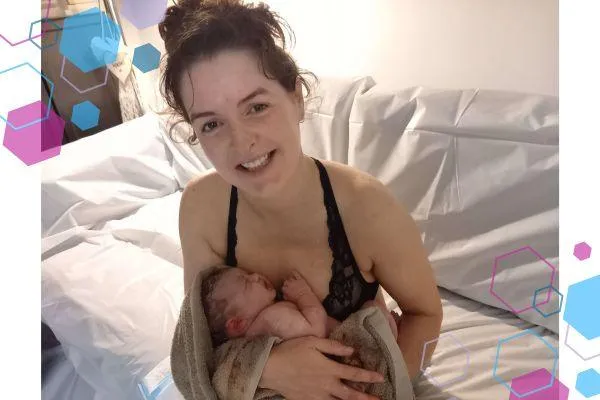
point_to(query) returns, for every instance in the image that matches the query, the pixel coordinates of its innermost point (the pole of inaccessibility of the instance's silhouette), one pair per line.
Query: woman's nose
(242, 139)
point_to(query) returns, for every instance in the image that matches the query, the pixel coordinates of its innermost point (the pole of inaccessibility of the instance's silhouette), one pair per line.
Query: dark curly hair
(214, 309)
(199, 29)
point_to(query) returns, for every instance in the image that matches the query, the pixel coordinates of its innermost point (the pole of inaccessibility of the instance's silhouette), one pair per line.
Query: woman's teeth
(257, 163)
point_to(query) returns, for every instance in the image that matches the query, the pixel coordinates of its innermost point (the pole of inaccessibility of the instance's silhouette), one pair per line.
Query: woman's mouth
(258, 163)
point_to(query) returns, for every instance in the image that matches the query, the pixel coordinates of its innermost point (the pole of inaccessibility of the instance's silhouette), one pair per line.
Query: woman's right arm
(194, 220)
(311, 376)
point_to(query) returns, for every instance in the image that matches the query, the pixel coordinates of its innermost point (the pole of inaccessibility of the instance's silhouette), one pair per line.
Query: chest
(276, 253)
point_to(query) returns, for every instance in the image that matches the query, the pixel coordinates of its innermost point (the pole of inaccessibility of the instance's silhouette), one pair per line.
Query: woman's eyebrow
(256, 92)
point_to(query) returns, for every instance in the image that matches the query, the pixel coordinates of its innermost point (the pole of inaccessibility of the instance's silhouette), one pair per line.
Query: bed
(477, 169)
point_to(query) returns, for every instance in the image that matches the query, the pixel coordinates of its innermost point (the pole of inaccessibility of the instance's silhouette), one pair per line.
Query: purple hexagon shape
(542, 260)
(144, 13)
(582, 251)
(529, 382)
(426, 370)
(37, 142)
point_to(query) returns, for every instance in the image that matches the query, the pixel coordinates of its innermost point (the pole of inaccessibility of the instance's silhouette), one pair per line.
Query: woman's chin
(264, 182)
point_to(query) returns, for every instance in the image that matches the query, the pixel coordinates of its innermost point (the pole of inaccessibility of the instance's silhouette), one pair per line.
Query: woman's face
(247, 124)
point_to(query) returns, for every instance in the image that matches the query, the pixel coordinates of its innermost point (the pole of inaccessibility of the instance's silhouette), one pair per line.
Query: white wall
(496, 44)
(489, 44)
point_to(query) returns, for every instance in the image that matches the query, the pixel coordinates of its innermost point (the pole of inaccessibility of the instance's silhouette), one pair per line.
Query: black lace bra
(348, 290)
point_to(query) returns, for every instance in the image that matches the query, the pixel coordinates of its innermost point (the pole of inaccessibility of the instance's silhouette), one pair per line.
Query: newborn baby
(237, 303)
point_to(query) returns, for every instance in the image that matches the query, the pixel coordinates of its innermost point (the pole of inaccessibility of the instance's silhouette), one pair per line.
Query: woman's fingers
(344, 392)
(332, 347)
(355, 374)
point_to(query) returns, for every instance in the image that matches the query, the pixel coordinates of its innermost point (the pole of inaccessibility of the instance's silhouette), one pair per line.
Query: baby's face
(246, 294)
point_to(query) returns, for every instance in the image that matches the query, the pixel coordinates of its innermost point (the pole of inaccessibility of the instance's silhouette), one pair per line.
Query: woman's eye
(259, 107)
(209, 126)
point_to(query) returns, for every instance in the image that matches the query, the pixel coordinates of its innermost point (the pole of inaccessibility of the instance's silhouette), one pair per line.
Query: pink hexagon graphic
(522, 256)
(36, 142)
(582, 251)
(529, 382)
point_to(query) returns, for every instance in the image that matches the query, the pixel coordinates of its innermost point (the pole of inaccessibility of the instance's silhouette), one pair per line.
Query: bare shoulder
(361, 195)
(201, 193)
(201, 214)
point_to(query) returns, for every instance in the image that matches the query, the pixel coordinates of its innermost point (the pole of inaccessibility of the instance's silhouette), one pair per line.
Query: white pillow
(155, 227)
(106, 176)
(324, 131)
(114, 307)
(478, 171)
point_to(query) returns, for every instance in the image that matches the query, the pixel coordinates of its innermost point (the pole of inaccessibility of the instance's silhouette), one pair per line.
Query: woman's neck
(292, 199)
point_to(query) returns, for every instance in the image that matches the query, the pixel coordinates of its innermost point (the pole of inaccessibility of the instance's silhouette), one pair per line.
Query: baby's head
(232, 299)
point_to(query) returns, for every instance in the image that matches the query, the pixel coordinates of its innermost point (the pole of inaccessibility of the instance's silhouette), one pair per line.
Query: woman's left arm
(401, 266)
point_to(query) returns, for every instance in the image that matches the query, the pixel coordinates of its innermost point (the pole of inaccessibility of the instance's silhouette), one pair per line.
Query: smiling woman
(229, 76)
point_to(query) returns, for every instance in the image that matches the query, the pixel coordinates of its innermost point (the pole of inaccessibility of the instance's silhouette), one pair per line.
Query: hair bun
(173, 18)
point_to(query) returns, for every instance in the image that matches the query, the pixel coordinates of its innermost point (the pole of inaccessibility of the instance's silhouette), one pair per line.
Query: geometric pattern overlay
(581, 305)
(584, 348)
(552, 312)
(81, 91)
(46, 14)
(90, 40)
(429, 371)
(582, 251)
(35, 117)
(536, 379)
(525, 386)
(527, 255)
(44, 21)
(144, 13)
(588, 383)
(37, 142)
(146, 58)
(85, 115)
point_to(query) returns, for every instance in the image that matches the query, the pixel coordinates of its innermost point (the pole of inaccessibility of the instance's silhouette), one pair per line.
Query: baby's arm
(296, 290)
(282, 319)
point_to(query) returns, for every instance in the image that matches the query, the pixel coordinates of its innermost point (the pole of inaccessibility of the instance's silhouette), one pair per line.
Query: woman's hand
(299, 370)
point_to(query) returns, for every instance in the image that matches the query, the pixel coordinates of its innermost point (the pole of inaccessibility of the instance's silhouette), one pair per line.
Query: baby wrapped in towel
(240, 304)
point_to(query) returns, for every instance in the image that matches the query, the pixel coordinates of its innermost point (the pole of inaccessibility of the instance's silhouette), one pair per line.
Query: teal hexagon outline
(48, 107)
(41, 35)
(560, 296)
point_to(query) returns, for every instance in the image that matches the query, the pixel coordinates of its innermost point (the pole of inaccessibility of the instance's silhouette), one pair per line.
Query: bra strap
(231, 260)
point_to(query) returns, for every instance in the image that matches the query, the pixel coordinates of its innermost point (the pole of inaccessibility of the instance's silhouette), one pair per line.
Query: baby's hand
(295, 287)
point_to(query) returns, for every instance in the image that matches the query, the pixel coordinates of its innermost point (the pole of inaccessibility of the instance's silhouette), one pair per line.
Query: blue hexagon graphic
(55, 36)
(560, 301)
(588, 383)
(146, 57)
(48, 107)
(144, 13)
(581, 305)
(506, 384)
(85, 115)
(90, 40)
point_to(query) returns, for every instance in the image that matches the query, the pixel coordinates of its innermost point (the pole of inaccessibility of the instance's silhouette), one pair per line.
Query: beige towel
(233, 370)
